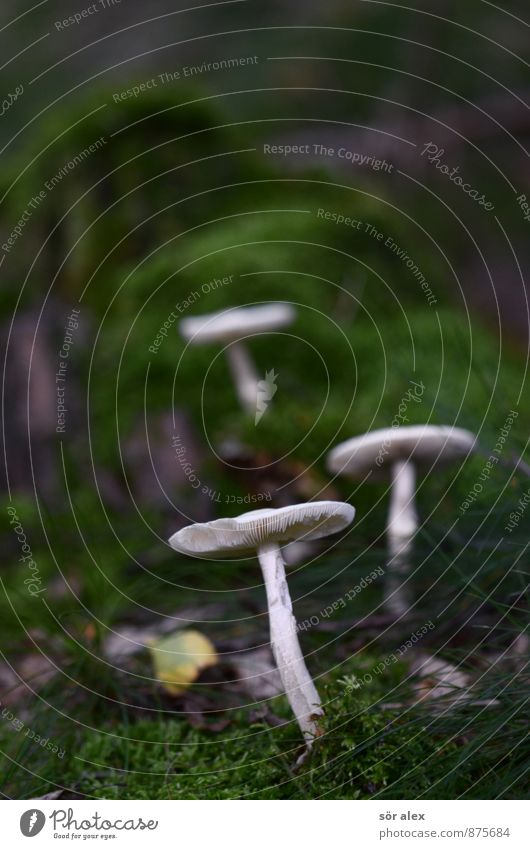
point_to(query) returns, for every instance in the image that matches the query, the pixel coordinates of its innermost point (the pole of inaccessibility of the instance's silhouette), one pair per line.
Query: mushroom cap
(421, 444)
(232, 324)
(250, 531)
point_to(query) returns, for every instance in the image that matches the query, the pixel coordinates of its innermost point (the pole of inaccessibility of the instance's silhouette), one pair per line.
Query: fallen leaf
(55, 794)
(257, 674)
(440, 680)
(179, 658)
(128, 640)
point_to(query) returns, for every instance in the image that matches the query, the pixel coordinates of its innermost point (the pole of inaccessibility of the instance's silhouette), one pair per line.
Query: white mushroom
(262, 531)
(230, 327)
(399, 451)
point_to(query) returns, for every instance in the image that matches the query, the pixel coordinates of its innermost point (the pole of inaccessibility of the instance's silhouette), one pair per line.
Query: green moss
(362, 333)
(364, 750)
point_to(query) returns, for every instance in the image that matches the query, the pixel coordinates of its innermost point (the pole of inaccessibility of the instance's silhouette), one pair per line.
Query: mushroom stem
(244, 375)
(296, 680)
(401, 527)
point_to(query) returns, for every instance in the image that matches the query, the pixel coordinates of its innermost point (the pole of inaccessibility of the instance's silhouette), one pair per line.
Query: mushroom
(230, 327)
(398, 452)
(261, 531)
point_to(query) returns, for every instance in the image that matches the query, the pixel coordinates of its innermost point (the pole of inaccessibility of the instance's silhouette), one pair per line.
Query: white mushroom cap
(250, 531)
(421, 444)
(232, 324)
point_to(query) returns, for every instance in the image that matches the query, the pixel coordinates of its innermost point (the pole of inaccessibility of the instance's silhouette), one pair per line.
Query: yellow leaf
(179, 658)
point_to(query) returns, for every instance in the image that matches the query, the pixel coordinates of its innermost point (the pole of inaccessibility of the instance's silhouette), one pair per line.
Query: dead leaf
(55, 794)
(257, 674)
(128, 640)
(440, 680)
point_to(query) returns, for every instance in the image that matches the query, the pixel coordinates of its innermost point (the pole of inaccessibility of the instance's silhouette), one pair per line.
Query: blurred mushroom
(261, 531)
(397, 452)
(230, 327)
